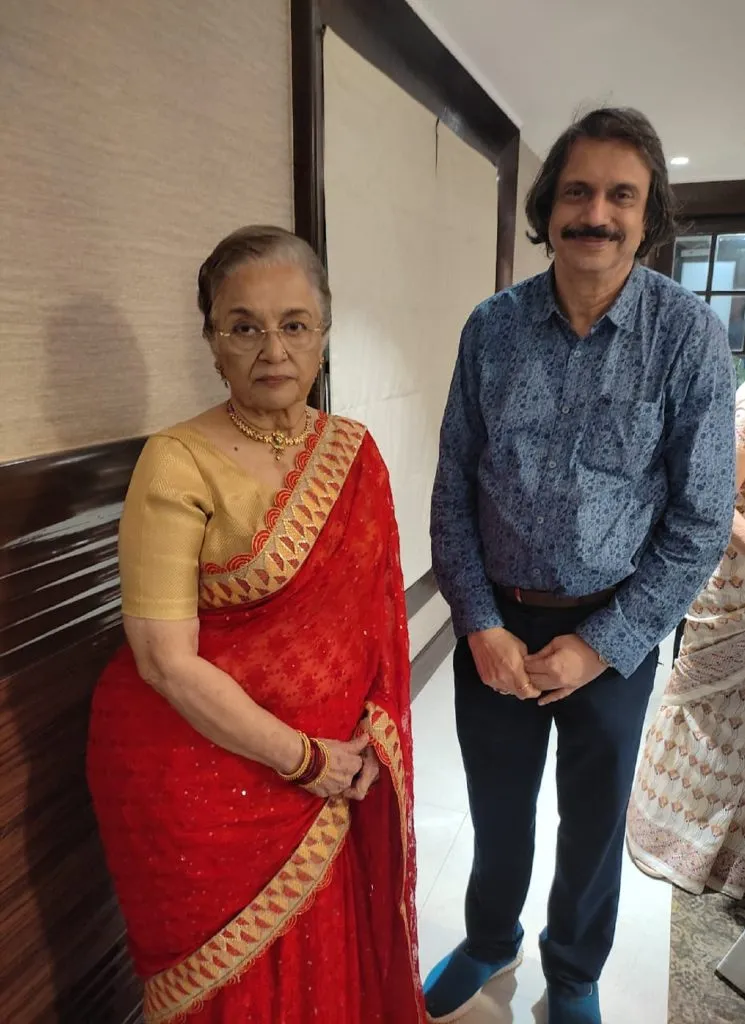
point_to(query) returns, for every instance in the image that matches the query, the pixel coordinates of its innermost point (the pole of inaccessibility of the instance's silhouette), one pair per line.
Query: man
(583, 496)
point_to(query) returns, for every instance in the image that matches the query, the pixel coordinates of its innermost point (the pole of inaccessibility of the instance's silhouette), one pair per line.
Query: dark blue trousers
(504, 742)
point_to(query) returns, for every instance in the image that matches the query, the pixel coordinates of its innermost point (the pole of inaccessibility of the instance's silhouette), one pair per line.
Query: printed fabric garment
(572, 465)
(686, 818)
(246, 898)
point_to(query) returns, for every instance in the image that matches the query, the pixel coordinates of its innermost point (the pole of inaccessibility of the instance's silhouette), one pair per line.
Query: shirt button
(540, 520)
(552, 464)
(536, 572)
(566, 410)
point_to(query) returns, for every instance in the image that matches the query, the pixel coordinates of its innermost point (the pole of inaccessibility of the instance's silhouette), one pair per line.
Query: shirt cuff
(609, 635)
(475, 616)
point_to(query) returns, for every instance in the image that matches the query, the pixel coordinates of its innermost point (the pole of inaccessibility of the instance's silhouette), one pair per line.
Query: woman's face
(268, 335)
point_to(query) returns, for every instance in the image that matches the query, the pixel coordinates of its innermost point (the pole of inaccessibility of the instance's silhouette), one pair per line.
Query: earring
(221, 374)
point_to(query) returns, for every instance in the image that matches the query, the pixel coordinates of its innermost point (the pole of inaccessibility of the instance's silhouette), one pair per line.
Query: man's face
(598, 218)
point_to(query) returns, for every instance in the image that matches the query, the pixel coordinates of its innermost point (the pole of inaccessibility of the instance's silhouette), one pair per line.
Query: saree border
(172, 994)
(384, 733)
(720, 867)
(292, 525)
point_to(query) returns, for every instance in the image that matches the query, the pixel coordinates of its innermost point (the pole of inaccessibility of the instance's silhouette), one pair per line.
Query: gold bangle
(326, 763)
(304, 764)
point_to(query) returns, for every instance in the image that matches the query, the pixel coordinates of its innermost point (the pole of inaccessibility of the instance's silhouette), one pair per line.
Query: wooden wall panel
(61, 949)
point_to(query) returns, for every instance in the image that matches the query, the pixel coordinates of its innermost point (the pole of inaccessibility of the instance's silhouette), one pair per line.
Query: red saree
(247, 899)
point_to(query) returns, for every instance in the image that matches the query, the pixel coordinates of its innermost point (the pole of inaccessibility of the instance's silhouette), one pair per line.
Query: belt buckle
(518, 595)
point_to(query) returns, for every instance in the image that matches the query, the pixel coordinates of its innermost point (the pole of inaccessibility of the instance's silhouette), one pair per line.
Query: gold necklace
(277, 440)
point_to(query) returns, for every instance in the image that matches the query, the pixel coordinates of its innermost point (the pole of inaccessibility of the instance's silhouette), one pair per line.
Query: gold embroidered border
(293, 524)
(169, 996)
(384, 733)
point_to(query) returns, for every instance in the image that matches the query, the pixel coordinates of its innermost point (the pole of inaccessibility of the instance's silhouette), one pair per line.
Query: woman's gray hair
(260, 243)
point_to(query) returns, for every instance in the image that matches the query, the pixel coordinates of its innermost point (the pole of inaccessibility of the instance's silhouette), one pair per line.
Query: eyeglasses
(293, 335)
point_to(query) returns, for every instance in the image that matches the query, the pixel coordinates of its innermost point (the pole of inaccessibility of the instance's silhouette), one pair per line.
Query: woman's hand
(367, 778)
(345, 761)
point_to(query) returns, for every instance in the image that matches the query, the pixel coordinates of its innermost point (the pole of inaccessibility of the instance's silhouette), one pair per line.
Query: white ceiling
(682, 62)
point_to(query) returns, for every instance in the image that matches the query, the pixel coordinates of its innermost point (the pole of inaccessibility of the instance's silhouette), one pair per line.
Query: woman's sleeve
(161, 533)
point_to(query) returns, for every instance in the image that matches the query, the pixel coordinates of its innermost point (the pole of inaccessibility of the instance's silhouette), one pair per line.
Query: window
(713, 266)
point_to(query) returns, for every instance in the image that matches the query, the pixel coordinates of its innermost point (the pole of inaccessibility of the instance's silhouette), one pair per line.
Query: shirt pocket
(622, 436)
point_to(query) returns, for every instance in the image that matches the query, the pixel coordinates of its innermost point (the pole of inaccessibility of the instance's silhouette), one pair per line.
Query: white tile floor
(635, 982)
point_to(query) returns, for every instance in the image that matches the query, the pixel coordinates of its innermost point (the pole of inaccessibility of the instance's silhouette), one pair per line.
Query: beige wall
(411, 230)
(529, 259)
(134, 135)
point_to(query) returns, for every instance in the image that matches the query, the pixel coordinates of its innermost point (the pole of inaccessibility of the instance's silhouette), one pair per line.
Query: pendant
(279, 443)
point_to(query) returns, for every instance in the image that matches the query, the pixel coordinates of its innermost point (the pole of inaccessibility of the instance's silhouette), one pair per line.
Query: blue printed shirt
(573, 465)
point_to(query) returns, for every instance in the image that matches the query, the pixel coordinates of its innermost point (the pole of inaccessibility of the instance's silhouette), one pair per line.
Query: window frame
(663, 260)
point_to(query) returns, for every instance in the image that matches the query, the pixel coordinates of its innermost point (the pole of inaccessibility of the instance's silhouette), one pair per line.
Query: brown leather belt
(545, 599)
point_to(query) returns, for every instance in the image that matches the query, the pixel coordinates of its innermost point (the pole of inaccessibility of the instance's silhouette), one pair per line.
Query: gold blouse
(197, 532)
(188, 504)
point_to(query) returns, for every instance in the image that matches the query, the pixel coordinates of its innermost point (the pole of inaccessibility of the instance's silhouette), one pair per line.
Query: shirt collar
(623, 311)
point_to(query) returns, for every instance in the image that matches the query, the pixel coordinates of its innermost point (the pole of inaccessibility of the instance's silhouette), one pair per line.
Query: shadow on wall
(95, 376)
(58, 627)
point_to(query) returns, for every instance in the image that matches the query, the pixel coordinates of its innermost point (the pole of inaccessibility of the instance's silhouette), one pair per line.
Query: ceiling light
(679, 161)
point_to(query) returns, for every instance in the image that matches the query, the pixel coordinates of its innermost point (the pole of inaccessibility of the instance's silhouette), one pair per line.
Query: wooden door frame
(396, 41)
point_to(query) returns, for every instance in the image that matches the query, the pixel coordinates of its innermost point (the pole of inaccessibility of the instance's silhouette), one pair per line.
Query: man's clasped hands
(566, 664)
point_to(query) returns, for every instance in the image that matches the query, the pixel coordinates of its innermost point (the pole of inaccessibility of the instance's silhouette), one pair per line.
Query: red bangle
(318, 766)
(311, 770)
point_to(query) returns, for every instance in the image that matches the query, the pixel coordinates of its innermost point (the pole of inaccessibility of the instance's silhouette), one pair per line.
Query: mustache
(588, 231)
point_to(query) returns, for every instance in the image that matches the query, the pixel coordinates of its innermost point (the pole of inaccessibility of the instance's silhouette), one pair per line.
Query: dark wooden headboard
(62, 953)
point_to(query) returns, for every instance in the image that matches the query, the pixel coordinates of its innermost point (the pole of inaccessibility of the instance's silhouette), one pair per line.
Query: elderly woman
(236, 740)
(686, 820)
